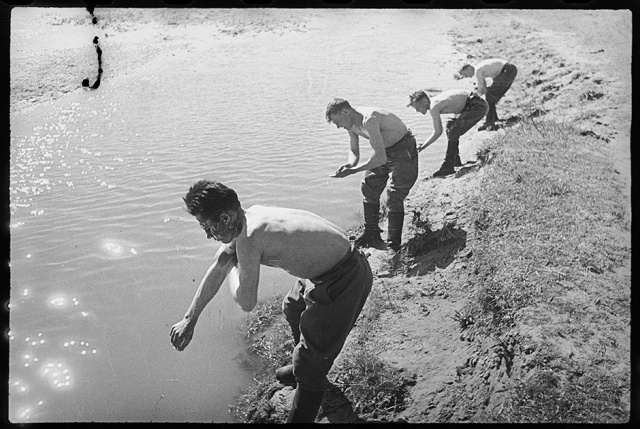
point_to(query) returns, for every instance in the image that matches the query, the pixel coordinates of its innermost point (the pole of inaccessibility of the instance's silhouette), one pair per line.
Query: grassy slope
(514, 301)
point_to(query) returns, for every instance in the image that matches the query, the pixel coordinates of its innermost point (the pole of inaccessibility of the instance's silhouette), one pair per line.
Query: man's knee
(395, 199)
(370, 194)
(310, 371)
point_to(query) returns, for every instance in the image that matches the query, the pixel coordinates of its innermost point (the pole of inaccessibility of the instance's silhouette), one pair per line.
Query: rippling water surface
(104, 257)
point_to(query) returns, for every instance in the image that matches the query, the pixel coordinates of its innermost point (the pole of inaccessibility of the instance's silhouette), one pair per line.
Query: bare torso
(392, 127)
(300, 242)
(447, 102)
(490, 68)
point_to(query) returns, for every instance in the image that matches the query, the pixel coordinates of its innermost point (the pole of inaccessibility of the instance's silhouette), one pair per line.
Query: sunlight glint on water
(104, 257)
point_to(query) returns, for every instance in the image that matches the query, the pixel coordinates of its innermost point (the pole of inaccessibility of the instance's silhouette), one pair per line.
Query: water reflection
(105, 259)
(117, 248)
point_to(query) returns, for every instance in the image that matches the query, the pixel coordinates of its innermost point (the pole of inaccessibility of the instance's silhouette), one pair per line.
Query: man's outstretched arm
(437, 128)
(225, 260)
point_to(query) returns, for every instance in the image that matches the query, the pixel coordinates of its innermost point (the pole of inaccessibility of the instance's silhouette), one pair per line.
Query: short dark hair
(209, 198)
(417, 95)
(337, 105)
(466, 66)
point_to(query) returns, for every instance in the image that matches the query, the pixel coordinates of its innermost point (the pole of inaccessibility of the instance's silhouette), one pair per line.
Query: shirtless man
(321, 312)
(394, 160)
(469, 108)
(502, 73)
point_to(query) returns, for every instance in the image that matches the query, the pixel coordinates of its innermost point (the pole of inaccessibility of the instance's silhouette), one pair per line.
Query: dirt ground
(558, 59)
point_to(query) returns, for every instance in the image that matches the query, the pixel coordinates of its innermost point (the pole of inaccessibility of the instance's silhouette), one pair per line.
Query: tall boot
(394, 231)
(492, 116)
(371, 235)
(447, 166)
(305, 406)
(457, 162)
(394, 238)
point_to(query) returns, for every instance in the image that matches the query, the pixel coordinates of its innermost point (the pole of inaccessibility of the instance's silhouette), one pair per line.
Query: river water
(104, 257)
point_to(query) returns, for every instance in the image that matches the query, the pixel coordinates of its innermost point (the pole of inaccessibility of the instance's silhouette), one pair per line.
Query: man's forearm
(205, 293)
(209, 286)
(373, 162)
(431, 140)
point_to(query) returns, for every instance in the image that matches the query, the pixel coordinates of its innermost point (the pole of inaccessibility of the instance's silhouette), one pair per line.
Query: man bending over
(502, 73)
(393, 164)
(468, 108)
(334, 281)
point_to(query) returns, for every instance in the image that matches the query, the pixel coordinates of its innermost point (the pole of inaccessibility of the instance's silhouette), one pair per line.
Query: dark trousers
(498, 88)
(400, 171)
(475, 109)
(324, 310)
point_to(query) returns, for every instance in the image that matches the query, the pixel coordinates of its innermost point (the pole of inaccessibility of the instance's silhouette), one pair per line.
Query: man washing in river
(393, 164)
(321, 308)
(502, 74)
(467, 106)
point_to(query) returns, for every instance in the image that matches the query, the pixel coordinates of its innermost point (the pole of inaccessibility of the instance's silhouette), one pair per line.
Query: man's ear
(225, 217)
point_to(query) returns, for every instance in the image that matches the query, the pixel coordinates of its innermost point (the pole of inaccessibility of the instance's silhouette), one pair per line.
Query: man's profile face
(340, 119)
(220, 231)
(421, 105)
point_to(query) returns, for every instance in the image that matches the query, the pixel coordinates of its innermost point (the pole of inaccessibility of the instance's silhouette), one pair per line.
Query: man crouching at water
(321, 313)
(394, 160)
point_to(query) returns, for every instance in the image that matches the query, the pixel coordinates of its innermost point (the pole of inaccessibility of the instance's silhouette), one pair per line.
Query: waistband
(471, 97)
(400, 143)
(323, 277)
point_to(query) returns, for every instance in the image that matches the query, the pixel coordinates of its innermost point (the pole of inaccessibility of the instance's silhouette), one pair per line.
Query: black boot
(394, 238)
(445, 169)
(305, 406)
(371, 235)
(394, 232)
(447, 166)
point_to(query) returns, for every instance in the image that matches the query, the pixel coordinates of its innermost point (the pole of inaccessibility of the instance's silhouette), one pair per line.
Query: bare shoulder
(489, 64)
(369, 113)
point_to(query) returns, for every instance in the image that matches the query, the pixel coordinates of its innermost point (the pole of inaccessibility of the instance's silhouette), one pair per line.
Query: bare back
(300, 242)
(447, 102)
(391, 126)
(490, 68)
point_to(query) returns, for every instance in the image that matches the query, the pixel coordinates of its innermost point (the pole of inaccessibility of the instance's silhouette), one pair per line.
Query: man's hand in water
(344, 171)
(181, 334)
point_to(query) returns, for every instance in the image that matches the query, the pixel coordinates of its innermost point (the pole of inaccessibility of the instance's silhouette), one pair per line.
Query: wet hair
(209, 198)
(337, 105)
(417, 95)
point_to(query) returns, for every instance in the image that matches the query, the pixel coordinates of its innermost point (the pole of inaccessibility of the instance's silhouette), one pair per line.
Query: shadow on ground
(435, 249)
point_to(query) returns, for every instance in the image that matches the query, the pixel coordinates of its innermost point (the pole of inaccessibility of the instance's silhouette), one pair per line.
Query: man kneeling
(321, 312)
